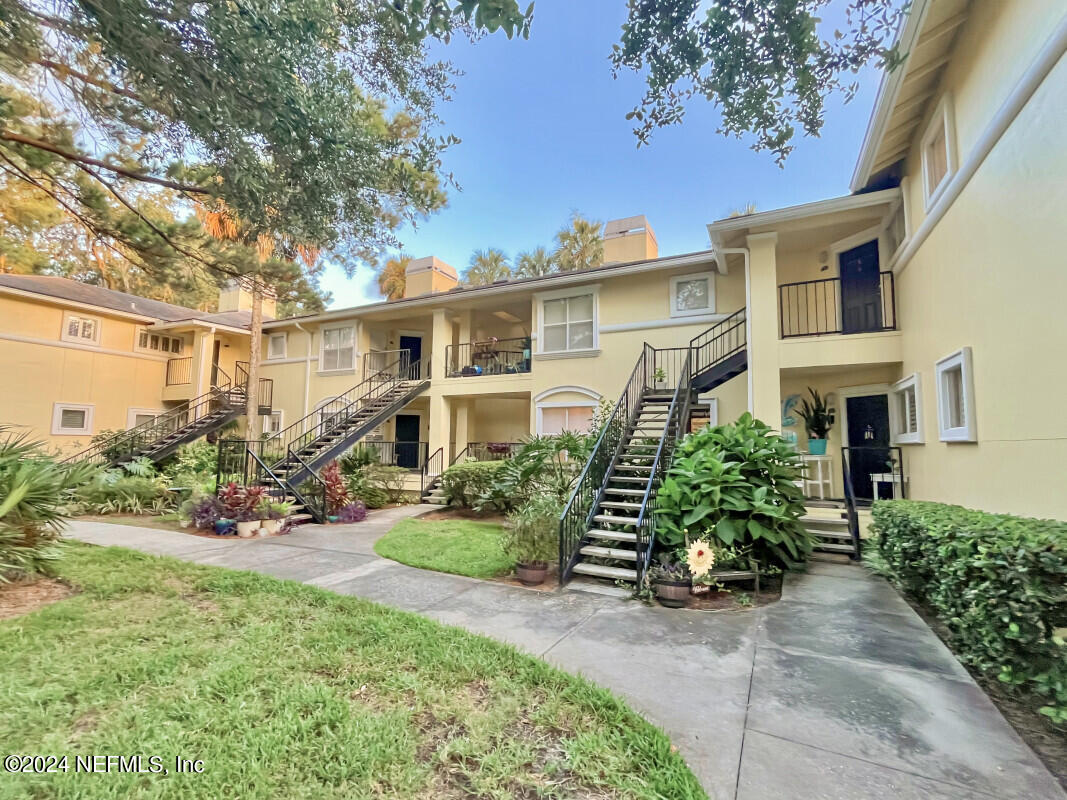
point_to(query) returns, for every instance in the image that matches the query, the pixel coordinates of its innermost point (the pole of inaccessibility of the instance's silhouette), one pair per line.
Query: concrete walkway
(838, 692)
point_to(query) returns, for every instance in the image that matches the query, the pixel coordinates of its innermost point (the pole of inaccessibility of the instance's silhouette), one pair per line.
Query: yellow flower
(700, 558)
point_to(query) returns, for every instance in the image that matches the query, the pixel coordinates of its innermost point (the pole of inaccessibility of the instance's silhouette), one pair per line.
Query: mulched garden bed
(770, 591)
(446, 512)
(22, 597)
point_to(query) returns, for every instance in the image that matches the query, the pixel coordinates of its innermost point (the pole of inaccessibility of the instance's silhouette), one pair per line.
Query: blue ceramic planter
(224, 526)
(817, 447)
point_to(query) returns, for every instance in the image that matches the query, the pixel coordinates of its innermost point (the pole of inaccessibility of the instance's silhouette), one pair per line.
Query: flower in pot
(818, 419)
(670, 580)
(532, 538)
(700, 558)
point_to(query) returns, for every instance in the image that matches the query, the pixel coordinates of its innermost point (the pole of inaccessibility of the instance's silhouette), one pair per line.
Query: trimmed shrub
(735, 485)
(389, 480)
(532, 534)
(362, 489)
(997, 582)
(465, 483)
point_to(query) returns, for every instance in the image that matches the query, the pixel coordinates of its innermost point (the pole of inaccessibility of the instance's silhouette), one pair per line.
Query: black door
(407, 440)
(861, 292)
(868, 443)
(215, 363)
(413, 344)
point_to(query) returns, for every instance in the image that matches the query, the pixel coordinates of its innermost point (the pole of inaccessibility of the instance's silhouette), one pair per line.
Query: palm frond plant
(34, 492)
(535, 264)
(581, 246)
(486, 267)
(818, 420)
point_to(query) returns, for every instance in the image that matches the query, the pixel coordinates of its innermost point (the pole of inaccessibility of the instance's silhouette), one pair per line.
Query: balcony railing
(411, 455)
(179, 371)
(490, 357)
(484, 451)
(815, 308)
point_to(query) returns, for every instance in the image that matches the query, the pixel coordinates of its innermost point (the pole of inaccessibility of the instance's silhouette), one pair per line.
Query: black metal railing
(490, 357)
(577, 514)
(486, 451)
(179, 371)
(871, 468)
(851, 513)
(722, 340)
(677, 414)
(266, 387)
(815, 308)
(431, 470)
(240, 464)
(383, 364)
(411, 455)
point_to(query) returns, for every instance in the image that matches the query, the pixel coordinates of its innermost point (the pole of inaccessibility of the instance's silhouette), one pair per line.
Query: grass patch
(288, 691)
(461, 547)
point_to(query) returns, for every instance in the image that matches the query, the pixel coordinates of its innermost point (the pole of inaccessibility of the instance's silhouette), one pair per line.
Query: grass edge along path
(289, 691)
(456, 546)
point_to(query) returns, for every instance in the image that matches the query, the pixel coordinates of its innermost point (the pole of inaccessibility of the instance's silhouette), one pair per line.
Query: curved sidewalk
(838, 692)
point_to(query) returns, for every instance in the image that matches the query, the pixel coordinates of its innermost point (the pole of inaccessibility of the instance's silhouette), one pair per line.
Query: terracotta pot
(246, 530)
(532, 574)
(672, 594)
(271, 526)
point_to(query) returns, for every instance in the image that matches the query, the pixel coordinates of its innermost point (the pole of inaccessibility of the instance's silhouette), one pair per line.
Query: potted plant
(659, 376)
(275, 516)
(818, 419)
(531, 538)
(248, 523)
(670, 580)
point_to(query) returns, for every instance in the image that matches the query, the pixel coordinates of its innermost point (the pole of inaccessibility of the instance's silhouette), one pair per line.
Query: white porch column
(766, 383)
(440, 433)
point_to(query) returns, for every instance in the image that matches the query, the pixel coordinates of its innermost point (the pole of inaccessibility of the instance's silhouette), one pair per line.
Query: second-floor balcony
(490, 356)
(834, 306)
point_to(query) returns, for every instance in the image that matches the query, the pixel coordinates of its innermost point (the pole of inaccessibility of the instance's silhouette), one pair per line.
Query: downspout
(200, 367)
(307, 370)
(743, 251)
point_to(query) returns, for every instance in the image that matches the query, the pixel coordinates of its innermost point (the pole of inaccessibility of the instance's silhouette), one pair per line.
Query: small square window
(692, 295)
(905, 411)
(69, 419)
(272, 423)
(276, 346)
(955, 398)
(938, 151)
(142, 340)
(81, 329)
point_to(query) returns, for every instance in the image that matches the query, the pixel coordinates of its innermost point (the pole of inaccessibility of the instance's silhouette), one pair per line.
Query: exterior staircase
(607, 528)
(831, 525)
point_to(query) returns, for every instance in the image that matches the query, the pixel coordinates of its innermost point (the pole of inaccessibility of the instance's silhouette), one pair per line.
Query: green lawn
(288, 691)
(461, 547)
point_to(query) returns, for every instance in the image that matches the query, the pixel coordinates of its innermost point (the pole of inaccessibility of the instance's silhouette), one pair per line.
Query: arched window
(565, 408)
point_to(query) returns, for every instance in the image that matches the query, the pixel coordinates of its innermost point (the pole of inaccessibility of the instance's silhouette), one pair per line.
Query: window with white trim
(905, 410)
(159, 343)
(273, 422)
(692, 295)
(140, 416)
(338, 349)
(276, 345)
(955, 397)
(556, 419)
(568, 323)
(72, 419)
(81, 329)
(938, 151)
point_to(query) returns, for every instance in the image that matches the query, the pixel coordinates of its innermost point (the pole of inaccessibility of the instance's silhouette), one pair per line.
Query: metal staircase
(198, 417)
(288, 462)
(607, 529)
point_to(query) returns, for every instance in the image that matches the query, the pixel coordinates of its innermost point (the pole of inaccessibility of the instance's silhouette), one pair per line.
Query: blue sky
(543, 131)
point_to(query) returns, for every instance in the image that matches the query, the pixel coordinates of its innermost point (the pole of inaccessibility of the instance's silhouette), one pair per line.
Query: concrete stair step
(628, 479)
(612, 573)
(627, 492)
(620, 536)
(608, 519)
(827, 547)
(620, 504)
(827, 522)
(833, 535)
(595, 551)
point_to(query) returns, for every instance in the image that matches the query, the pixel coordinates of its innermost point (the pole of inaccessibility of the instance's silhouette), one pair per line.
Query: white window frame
(322, 349)
(944, 119)
(540, 403)
(284, 337)
(158, 350)
(97, 325)
(57, 418)
(967, 432)
(695, 312)
(266, 418)
(561, 294)
(133, 413)
(897, 421)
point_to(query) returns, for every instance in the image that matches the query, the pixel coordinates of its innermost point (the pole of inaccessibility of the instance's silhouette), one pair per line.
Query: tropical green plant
(535, 264)
(818, 419)
(996, 581)
(388, 479)
(544, 465)
(486, 267)
(34, 492)
(361, 489)
(532, 533)
(737, 485)
(359, 457)
(133, 488)
(465, 483)
(579, 246)
(337, 494)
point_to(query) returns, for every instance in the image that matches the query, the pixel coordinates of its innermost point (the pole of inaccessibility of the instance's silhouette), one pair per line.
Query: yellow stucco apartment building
(928, 304)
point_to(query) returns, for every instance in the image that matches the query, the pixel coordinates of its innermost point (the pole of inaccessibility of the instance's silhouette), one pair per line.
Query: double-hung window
(905, 410)
(276, 346)
(955, 398)
(81, 329)
(569, 323)
(70, 419)
(938, 151)
(338, 349)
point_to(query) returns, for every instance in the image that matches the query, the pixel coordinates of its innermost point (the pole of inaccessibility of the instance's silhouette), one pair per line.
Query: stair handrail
(576, 517)
(645, 526)
(123, 445)
(737, 321)
(851, 514)
(326, 418)
(319, 513)
(435, 460)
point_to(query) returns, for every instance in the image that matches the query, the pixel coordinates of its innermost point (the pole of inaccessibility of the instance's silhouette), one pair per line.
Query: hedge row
(465, 482)
(997, 582)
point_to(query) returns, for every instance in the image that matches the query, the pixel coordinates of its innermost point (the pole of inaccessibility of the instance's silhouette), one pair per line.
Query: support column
(440, 433)
(440, 339)
(765, 399)
(463, 411)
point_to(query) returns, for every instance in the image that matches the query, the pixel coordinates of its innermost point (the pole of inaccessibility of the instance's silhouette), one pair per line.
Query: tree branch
(18, 138)
(63, 69)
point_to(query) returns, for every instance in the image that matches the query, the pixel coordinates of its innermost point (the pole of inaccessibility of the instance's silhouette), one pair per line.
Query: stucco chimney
(235, 297)
(429, 275)
(629, 239)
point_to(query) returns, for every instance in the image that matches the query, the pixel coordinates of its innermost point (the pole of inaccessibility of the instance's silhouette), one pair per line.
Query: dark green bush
(997, 582)
(466, 482)
(735, 485)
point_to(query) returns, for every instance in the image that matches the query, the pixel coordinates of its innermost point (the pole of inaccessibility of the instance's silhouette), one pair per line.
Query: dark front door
(868, 442)
(413, 344)
(407, 440)
(861, 292)
(215, 363)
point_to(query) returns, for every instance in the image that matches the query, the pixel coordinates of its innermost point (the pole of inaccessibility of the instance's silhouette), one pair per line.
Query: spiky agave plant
(34, 490)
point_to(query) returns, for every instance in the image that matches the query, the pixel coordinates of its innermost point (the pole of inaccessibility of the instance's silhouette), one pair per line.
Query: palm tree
(487, 266)
(393, 278)
(581, 246)
(535, 264)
